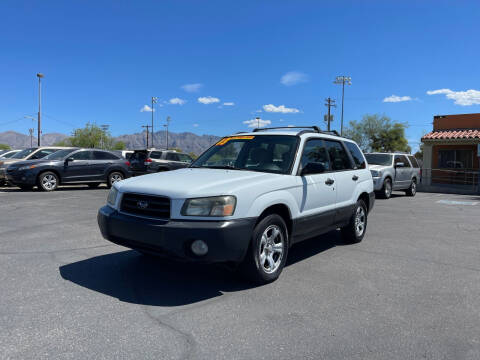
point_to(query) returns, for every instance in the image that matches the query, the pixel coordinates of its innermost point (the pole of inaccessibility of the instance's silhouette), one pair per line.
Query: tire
(114, 177)
(48, 181)
(355, 231)
(386, 192)
(268, 250)
(93, 186)
(412, 190)
(26, 187)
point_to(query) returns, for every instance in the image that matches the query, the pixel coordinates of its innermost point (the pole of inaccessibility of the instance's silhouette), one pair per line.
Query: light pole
(343, 80)
(166, 126)
(40, 76)
(258, 122)
(154, 101)
(104, 134)
(31, 136)
(146, 127)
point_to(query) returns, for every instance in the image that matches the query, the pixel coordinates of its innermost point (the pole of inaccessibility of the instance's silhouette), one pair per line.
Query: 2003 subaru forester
(246, 200)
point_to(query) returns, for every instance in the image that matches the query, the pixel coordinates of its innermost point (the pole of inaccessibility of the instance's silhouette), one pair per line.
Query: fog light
(199, 247)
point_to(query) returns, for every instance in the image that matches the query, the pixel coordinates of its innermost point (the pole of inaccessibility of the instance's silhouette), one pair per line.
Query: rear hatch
(138, 160)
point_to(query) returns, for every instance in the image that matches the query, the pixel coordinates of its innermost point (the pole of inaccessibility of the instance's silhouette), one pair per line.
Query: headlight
(210, 206)
(376, 173)
(26, 167)
(112, 196)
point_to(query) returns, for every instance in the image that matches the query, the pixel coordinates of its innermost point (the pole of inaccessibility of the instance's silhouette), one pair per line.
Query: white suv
(246, 200)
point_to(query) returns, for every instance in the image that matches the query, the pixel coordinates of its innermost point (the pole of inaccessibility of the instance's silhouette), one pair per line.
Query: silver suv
(393, 171)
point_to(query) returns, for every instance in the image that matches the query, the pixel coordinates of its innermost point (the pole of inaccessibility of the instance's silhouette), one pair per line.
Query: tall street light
(40, 76)
(154, 101)
(343, 80)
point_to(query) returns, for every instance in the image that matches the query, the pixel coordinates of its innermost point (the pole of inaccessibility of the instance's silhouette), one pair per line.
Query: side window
(103, 155)
(413, 161)
(338, 156)
(156, 155)
(357, 155)
(403, 159)
(172, 157)
(42, 153)
(81, 155)
(184, 158)
(315, 156)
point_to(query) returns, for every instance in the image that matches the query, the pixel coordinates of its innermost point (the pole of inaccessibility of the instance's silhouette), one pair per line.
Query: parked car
(394, 171)
(33, 153)
(69, 166)
(8, 154)
(246, 200)
(151, 161)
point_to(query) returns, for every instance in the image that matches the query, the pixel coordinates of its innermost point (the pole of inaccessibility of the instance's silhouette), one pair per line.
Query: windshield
(8, 155)
(379, 159)
(23, 154)
(58, 155)
(266, 153)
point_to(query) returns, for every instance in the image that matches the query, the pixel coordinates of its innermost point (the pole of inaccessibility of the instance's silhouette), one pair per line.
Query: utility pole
(154, 101)
(329, 104)
(40, 76)
(31, 136)
(166, 126)
(104, 135)
(258, 122)
(147, 127)
(343, 80)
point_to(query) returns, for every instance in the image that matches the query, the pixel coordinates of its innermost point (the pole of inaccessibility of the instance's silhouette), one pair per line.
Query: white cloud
(208, 100)
(280, 109)
(463, 98)
(255, 123)
(177, 101)
(293, 78)
(195, 125)
(192, 87)
(396, 98)
(228, 103)
(146, 108)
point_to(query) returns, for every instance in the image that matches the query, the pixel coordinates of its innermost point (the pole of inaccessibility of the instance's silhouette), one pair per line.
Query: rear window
(139, 155)
(414, 161)
(156, 155)
(357, 155)
(338, 156)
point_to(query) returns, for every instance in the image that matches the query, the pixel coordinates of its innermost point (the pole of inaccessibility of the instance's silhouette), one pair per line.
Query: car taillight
(127, 163)
(147, 161)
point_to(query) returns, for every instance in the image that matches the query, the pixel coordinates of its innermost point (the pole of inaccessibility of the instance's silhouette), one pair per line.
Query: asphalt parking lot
(410, 290)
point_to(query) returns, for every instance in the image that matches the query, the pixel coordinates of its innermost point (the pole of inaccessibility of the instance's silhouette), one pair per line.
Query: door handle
(354, 177)
(329, 181)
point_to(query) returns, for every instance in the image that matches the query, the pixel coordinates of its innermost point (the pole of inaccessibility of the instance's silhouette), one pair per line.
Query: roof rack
(313, 129)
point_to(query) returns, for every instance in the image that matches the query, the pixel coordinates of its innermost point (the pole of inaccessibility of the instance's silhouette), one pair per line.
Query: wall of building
(461, 121)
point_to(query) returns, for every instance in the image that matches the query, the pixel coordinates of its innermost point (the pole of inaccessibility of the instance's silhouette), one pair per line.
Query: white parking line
(453, 202)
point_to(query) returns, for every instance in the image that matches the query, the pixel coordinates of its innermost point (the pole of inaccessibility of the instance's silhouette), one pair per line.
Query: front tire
(48, 181)
(114, 177)
(268, 250)
(386, 191)
(412, 190)
(355, 231)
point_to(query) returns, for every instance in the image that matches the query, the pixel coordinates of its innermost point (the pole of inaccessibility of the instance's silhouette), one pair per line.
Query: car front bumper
(377, 183)
(21, 177)
(227, 241)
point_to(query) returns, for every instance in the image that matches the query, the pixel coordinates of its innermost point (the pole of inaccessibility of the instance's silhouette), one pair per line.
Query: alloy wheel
(49, 182)
(271, 249)
(360, 221)
(116, 178)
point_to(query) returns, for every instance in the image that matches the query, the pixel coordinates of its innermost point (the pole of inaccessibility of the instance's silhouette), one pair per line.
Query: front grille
(157, 207)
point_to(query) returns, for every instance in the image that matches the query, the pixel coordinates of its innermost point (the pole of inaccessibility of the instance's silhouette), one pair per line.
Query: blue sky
(103, 60)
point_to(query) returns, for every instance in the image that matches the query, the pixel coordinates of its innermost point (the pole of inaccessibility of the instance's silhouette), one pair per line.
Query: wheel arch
(49, 170)
(280, 209)
(366, 199)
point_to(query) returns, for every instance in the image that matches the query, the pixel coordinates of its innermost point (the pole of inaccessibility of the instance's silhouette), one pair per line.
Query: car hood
(195, 182)
(6, 162)
(378, 167)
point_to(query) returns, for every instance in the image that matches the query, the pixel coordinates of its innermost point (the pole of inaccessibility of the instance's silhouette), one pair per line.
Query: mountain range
(186, 141)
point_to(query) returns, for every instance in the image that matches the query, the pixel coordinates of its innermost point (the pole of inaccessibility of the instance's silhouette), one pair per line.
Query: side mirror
(312, 168)
(400, 164)
(70, 159)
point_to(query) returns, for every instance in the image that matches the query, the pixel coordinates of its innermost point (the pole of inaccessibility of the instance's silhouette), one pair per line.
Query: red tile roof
(453, 134)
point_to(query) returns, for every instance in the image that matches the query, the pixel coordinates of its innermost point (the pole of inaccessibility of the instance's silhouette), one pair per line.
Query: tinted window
(156, 154)
(184, 158)
(42, 153)
(357, 155)
(9, 155)
(413, 161)
(455, 159)
(103, 155)
(315, 154)
(338, 156)
(379, 159)
(81, 155)
(60, 154)
(172, 157)
(23, 154)
(402, 158)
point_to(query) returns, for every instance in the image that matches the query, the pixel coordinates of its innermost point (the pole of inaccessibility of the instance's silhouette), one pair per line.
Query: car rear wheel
(355, 230)
(412, 190)
(114, 177)
(48, 181)
(387, 188)
(267, 253)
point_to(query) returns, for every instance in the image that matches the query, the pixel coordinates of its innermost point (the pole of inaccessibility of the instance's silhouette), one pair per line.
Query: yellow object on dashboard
(227, 139)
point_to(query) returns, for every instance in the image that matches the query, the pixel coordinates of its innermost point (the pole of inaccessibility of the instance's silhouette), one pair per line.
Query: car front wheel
(268, 250)
(48, 181)
(355, 230)
(387, 188)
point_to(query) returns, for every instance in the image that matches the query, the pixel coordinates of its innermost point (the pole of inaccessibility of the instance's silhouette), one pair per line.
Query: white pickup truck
(246, 200)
